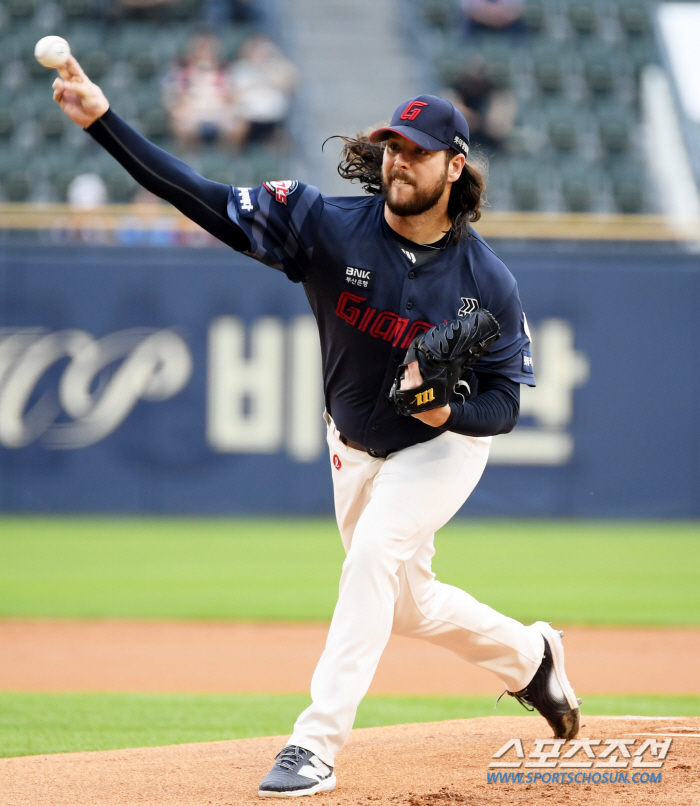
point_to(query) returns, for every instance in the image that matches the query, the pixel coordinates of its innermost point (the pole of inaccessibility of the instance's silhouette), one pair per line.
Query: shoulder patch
(527, 362)
(280, 190)
(244, 200)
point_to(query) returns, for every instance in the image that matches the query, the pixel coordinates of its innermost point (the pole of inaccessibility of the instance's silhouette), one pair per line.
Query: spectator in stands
(490, 111)
(493, 15)
(263, 81)
(199, 98)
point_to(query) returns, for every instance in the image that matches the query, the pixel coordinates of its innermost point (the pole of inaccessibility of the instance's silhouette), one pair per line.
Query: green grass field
(607, 573)
(583, 572)
(32, 724)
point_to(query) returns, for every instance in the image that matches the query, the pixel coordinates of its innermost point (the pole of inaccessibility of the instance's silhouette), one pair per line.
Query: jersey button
(409, 305)
(411, 275)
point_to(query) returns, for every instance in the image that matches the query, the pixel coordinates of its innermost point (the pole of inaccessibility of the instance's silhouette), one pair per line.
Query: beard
(422, 201)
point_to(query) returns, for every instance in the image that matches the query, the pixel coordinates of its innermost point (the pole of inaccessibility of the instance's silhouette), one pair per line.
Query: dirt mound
(416, 765)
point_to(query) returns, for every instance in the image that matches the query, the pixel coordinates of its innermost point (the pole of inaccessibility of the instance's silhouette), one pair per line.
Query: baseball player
(424, 346)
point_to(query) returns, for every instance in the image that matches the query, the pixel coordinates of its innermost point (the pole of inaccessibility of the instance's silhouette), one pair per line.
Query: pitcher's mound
(417, 765)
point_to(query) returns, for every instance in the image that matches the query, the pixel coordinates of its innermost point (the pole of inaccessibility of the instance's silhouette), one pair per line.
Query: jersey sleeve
(281, 221)
(511, 354)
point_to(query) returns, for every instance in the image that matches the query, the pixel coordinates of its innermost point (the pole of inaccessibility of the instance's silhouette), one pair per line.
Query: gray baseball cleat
(549, 691)
(296, 772)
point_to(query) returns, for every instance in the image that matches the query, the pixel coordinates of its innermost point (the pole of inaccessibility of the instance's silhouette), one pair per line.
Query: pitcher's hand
(83, 101)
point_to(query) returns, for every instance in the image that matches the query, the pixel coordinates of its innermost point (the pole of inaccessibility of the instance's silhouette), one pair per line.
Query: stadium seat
(95, 64)
(16, 185)
(613, 129)
(535, 16)
(562, 129)
(634, 17)
(599, 73)
(439, 13)
(19, 9)
(79, 9)
(548, 70)
(52, 123)
(154, 124)
(120, 185)
(628, 185)
(577, 187)
(583, 18)
(524, 186)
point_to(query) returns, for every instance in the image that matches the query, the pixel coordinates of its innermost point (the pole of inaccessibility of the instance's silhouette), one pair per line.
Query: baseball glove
(443, 354)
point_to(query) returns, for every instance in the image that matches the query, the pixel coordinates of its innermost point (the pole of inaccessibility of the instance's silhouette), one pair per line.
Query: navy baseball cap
(430, 122)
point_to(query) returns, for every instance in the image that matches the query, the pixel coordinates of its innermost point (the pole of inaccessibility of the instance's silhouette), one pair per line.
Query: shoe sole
(327, 785)
(572, 719)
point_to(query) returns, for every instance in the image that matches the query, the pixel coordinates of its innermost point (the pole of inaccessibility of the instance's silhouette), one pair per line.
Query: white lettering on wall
(559, 370)
(143, 365)
(245, 394)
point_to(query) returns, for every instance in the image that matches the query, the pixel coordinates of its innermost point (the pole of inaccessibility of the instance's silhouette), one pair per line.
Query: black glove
(443, 354)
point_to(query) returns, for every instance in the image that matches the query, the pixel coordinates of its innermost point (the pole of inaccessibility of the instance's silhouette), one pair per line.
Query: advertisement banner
(151, 380)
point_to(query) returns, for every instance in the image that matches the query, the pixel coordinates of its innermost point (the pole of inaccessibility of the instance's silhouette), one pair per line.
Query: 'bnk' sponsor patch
(360, 278)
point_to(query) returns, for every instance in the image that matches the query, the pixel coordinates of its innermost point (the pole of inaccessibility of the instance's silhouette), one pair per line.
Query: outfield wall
(161, 380)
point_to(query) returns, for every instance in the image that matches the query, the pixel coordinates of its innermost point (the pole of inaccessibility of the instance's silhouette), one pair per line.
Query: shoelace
(522, 699)
(290, 757)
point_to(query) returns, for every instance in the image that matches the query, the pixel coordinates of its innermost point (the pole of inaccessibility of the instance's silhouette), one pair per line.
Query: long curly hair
(361, 161)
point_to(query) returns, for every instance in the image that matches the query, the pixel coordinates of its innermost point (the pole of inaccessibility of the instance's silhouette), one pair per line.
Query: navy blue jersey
(370, 300)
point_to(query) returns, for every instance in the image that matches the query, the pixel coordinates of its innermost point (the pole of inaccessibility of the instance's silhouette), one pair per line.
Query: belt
(377, 454)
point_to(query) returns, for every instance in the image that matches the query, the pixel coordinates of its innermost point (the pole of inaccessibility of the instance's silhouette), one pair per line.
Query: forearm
(494, 410)
(198, 198)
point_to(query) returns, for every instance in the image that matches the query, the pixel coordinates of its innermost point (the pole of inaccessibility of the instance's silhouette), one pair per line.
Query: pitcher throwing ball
(424, 346)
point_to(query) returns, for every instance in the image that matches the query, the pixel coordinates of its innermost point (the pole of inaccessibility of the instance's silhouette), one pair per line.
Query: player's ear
(455, 167)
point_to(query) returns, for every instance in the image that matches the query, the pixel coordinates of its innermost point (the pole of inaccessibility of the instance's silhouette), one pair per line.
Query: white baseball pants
(388, 511)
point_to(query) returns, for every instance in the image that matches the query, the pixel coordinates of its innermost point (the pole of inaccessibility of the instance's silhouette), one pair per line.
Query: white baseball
(52, 51)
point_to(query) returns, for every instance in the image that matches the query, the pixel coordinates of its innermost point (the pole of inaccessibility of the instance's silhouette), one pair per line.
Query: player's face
(413, 180)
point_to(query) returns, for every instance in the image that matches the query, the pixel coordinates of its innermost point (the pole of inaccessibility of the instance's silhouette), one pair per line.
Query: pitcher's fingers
(80, 89)
(74, 68)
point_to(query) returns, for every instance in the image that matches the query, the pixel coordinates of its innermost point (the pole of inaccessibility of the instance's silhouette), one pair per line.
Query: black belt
(376, 454)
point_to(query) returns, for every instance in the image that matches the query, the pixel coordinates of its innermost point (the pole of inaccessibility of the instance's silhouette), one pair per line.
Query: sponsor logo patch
(280, 190)
(337, 464)
(527, 362)
(469, 305)
(244, 201)
(360, 278)
(460, 143)
(409, 255)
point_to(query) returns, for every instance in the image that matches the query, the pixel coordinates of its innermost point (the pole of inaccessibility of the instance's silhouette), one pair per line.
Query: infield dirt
(195, 657)
(432, 764)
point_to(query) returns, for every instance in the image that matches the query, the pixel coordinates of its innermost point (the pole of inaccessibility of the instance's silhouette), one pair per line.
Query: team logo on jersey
(409, 255)
(337, 464)
(280, 190)
(412, 111)
(244, 201)
(469, 305)
(361, 278)
(527, 362)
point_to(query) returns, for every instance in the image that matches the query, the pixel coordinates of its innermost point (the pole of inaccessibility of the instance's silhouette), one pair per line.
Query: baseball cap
(430, 122)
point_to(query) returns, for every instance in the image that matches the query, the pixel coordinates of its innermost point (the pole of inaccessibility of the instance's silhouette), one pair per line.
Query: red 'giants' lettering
(387, 325)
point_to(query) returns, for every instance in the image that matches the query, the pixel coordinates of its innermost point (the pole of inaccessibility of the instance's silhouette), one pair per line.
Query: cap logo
(412, 111)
